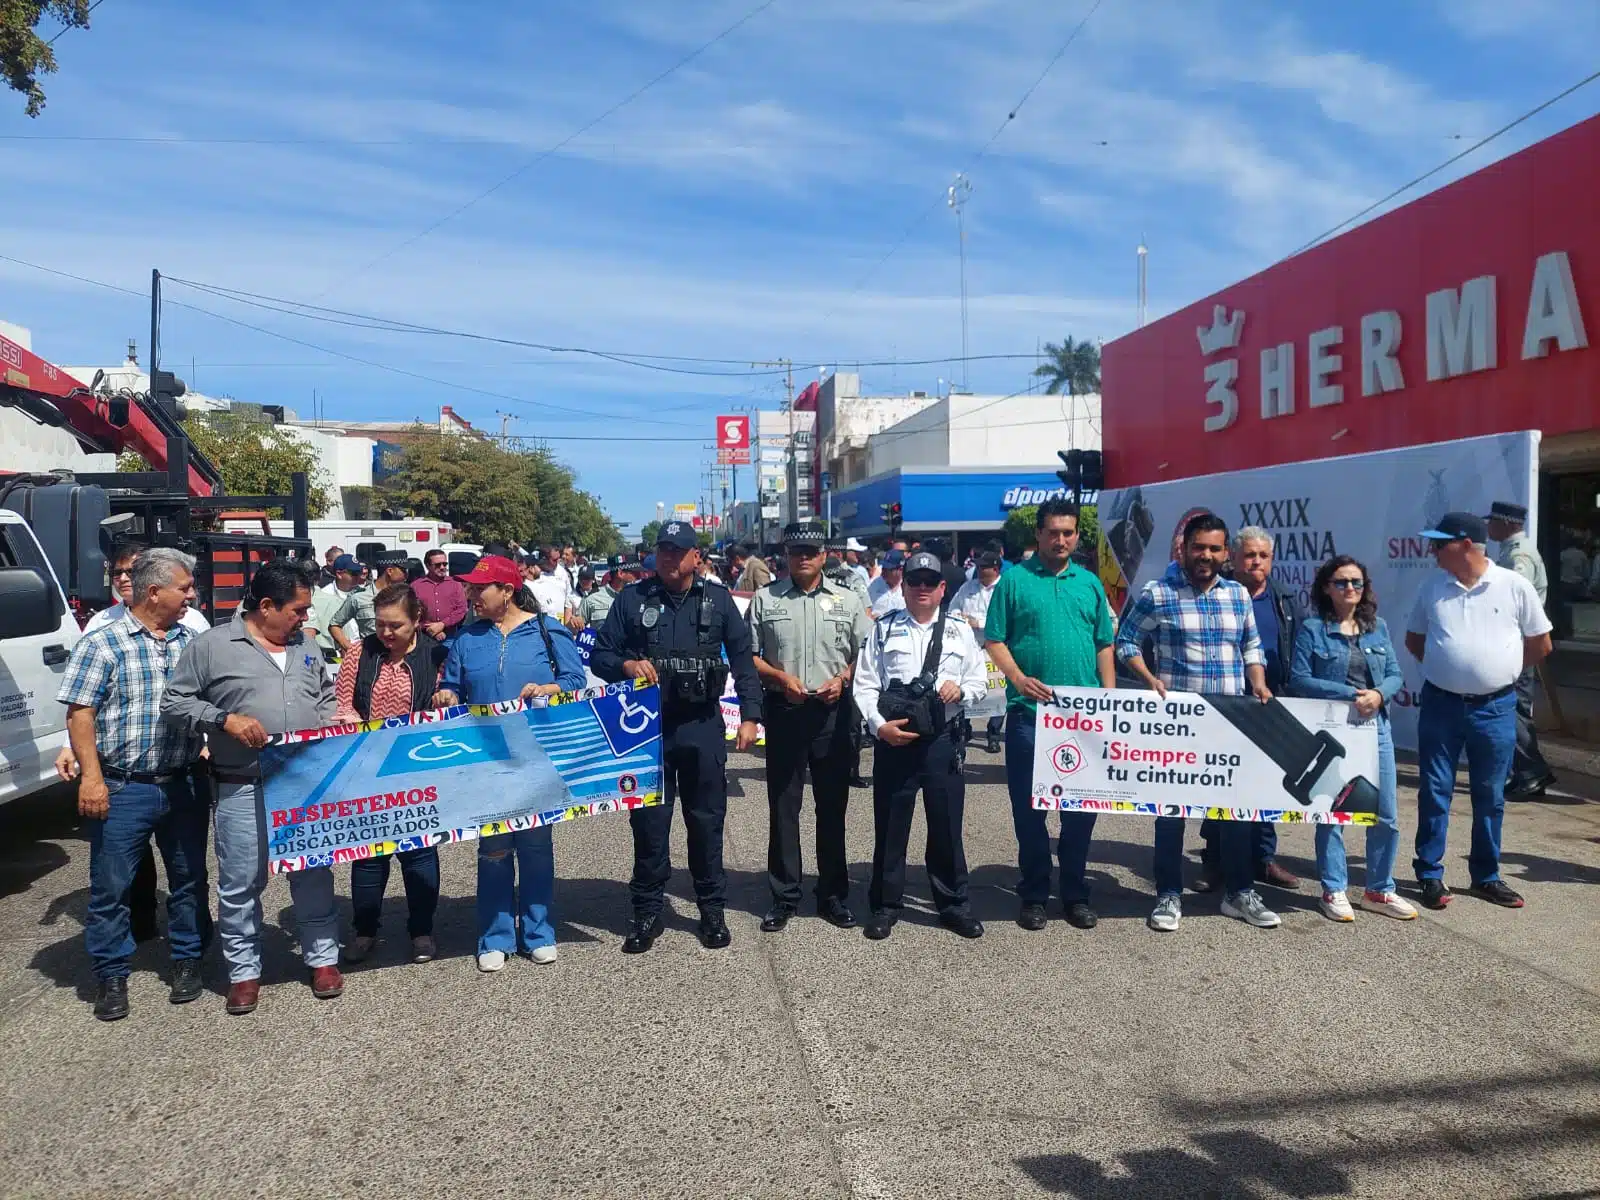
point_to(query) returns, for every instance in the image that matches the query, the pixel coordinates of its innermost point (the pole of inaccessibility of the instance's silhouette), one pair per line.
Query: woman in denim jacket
(1344, 653)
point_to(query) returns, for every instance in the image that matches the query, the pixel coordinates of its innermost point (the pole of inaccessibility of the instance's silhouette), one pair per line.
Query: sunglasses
(923, 581)
(128, 571)
(1349, 585)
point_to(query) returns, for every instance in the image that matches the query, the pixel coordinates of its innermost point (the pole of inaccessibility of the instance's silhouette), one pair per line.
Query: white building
(963, 430)
(846, 420)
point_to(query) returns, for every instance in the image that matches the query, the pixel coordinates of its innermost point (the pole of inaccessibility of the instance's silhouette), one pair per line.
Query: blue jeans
(1033, 835)
(498, 867)
(1487, 730)
(1383, 838)
(369, 877)
(177, 820)
(1236, 840)
(241, 833)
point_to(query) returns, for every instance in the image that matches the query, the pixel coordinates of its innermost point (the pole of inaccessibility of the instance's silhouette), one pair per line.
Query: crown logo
(1224, 332)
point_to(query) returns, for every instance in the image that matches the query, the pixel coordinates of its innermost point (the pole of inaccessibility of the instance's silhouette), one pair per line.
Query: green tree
(24, 55)
(1021, 532)
(1072, 367)
(255, 458)
(650, 532)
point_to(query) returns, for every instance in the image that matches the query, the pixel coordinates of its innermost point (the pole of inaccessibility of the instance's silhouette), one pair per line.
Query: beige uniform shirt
(811, 635)
(1518, 553)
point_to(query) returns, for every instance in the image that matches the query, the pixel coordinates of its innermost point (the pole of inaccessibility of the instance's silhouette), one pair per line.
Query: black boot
(111, 1001)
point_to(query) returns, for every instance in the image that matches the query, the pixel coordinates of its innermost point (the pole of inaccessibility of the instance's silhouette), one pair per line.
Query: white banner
(993, 703)
(1228, 757)
(1371, 506)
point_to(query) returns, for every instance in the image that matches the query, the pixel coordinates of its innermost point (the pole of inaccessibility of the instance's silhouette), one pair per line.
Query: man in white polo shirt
(1475, 628)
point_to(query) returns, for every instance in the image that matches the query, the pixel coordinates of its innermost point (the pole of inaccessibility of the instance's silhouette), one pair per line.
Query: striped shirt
(1203, 640)
(121, 670)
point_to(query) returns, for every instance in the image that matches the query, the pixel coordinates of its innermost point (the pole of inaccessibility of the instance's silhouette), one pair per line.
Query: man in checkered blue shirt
(135, 780)
(1202, 628)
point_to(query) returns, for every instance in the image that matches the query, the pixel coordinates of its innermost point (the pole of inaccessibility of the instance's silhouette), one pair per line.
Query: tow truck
(58, 532)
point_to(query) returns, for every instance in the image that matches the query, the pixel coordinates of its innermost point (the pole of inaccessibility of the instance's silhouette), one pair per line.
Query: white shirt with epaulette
(896, 650)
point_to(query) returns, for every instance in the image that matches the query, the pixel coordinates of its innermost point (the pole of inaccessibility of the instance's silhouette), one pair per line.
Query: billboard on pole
(733, 440)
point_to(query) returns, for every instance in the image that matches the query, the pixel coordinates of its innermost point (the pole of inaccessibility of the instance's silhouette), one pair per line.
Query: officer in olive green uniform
(807, 630)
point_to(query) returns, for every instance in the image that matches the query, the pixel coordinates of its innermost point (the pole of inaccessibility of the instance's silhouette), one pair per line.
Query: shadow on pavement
(29, 830)
(1536, 868)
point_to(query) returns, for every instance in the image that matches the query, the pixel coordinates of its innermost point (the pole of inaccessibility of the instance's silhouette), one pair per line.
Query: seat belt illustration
(1314, 766)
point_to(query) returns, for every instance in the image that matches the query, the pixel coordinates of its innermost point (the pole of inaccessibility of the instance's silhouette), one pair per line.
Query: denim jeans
(1487, 730)
(1235, 841)
(1383, 838)
(1033, 835)
(369, 877)
(500, 859)
(241, 832)
(177, 820)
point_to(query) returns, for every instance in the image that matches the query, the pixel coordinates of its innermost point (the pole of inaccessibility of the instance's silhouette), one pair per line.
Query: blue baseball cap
(649, 562)
(894, 560)
(347, 562)
(678, 533)
(1455, 525)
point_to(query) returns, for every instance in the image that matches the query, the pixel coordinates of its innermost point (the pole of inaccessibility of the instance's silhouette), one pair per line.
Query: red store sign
(1469, 311)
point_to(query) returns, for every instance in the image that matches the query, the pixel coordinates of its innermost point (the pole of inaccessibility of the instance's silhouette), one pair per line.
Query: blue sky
(739, 209)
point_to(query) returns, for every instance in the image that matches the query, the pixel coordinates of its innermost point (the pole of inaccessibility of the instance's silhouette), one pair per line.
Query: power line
(1454, 158)
(539, 158)
(64, 28)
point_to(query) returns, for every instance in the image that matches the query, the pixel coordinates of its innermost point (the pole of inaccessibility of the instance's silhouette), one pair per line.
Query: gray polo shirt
(811, 635)
(225, 670)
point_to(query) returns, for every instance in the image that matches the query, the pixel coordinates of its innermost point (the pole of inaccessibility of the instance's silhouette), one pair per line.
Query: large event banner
(1371, 506)
(356, 791)
(1228, 757)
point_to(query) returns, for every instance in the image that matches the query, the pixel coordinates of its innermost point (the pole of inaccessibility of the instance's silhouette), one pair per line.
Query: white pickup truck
(37, 633)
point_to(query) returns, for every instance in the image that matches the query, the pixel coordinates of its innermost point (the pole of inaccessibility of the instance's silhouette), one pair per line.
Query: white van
(416, 535)
(37, 634)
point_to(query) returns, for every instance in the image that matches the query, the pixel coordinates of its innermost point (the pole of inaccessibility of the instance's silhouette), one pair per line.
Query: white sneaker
(1389, 904)
(491, 960)
(1336, 907)
(1251, 909)
(1168, 912)
(543, 954)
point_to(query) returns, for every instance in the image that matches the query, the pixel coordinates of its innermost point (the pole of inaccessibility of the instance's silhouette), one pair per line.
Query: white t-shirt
(972, 600)
(115, 613)
(882, 599)
(281, 657)
(552, 593)
(1475, 635)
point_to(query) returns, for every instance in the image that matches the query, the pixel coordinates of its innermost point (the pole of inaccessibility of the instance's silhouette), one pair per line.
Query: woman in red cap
(511, 651)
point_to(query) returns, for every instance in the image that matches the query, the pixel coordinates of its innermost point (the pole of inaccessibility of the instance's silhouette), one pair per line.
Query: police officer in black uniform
(672, 630)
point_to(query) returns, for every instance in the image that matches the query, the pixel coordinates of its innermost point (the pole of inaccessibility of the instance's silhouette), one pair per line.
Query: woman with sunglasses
(1344, 653)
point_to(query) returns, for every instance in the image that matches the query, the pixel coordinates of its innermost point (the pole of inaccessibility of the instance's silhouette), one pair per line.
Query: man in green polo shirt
(1049, 625)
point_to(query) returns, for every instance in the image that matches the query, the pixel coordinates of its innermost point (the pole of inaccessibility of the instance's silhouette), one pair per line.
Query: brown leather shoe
(243, 996)
(326, 983)
(1279, 876)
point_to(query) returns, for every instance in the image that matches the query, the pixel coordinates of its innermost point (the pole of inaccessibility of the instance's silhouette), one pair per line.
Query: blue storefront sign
(953, 499)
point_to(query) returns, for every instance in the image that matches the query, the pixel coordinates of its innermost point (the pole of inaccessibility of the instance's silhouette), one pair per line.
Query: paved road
(1457, 1056)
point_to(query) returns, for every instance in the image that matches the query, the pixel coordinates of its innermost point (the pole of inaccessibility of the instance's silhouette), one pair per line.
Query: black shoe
(965, 924)
(777, 917)
(144, 927)
(1434, 893)
(1032, 917)
(1081, 916)
(642, 934)
(879, 925)
(992, 745)
(111, 1001)
(860, 780)
(837, 912)
(1496, 891)
(1531, 789)
(1210, 879)
(186, 984)
(713, 931)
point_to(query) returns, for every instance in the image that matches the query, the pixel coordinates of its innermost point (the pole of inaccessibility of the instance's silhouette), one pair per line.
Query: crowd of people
(166, 718)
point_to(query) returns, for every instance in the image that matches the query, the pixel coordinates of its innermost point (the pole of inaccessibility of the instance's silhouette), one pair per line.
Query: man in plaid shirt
(1202, 629)
(135, 779)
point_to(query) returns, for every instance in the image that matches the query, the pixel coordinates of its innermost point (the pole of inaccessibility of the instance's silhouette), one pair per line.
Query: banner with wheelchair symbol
(356, 791)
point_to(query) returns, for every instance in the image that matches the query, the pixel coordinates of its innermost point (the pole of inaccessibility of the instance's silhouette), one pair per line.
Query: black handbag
(917, 701)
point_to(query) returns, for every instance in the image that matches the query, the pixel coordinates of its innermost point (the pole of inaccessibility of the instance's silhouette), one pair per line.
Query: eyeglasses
(1349, 585)
(128, 571)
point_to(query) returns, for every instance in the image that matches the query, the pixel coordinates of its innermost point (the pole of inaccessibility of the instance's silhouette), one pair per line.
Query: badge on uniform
(826, 604)
(650, 617)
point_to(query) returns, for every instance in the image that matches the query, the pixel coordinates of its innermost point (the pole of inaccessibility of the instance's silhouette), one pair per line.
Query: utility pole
(505, 427)
(155, 328)
(956, 199)
(788, 465)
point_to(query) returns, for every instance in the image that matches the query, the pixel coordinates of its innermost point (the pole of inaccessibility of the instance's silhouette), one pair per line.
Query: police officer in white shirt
(929, 664)
(1475, 628)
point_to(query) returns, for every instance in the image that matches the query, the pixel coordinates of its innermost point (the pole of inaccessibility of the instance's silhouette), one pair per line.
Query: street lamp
(956, 198)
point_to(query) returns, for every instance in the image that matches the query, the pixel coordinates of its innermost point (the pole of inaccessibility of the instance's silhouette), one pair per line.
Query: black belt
(1307, 759)
(1480, 699)
(154, 778)
(232, 777)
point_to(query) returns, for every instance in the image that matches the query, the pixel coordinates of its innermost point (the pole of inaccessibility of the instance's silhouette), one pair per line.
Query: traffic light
(1084, 472)
(165, 388)
(891, 515)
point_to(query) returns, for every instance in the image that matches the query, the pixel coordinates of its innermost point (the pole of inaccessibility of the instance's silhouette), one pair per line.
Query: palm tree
(1072, 367)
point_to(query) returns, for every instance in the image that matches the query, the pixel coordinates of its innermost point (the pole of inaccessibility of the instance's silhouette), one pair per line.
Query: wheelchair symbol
(441, 749)
(630, 711)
